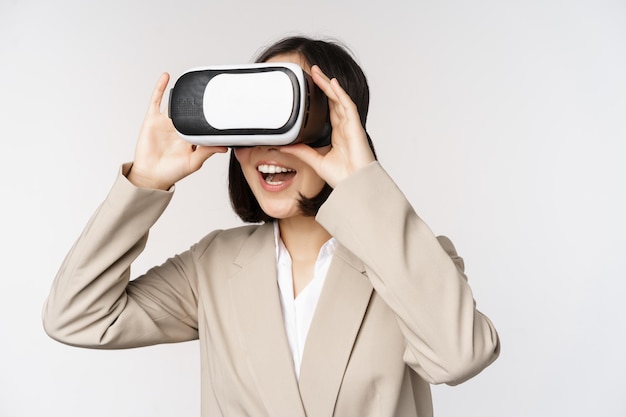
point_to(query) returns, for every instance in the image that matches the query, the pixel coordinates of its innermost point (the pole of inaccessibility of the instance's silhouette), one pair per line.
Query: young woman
(338, 301)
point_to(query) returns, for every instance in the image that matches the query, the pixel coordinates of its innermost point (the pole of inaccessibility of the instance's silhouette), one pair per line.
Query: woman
(341, 302)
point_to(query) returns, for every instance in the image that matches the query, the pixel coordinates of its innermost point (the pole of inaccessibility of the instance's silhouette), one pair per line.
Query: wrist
(143, 181)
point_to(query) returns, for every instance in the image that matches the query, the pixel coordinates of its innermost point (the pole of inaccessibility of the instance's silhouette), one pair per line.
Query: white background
(504, 122)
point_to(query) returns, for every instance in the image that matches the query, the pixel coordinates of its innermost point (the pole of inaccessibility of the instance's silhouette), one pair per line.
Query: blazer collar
(256, 302)
(336, 323)
(335, 326)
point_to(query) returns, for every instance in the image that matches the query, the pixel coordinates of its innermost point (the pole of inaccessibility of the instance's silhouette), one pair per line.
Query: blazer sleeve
(93, 304)
(419, 276)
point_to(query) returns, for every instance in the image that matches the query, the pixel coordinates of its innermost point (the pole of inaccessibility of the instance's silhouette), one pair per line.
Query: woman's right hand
(162, 157)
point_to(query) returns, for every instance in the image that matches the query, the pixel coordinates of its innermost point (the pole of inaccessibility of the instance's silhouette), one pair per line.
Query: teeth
(273, 169)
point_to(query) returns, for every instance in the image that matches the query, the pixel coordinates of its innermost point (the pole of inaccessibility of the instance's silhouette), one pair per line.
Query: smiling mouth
(275, 174)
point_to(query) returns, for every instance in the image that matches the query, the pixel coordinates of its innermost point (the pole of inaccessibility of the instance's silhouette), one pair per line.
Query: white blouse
(298, 312)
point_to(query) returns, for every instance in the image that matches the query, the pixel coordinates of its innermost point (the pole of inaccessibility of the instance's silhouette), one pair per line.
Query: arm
(419, 276)
(92, 303)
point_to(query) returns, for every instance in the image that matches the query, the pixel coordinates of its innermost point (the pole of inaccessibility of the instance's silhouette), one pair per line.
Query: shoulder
(230, 240)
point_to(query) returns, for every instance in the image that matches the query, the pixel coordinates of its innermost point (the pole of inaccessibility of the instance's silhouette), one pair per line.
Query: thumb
(305, 153)
(202, 153)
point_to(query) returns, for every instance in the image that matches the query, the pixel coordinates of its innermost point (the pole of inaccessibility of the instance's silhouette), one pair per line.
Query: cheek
(242, 155)
(313, 185)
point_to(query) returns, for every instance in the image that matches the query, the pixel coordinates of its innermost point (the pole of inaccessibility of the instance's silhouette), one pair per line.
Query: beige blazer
(395, 314)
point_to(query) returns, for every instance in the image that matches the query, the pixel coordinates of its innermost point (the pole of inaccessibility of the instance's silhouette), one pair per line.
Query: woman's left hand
(350, 150)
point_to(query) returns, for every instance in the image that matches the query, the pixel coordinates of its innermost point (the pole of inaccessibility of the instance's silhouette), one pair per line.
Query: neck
(303, 237)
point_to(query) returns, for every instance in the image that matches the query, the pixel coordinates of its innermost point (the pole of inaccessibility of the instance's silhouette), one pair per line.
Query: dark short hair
(336, 61)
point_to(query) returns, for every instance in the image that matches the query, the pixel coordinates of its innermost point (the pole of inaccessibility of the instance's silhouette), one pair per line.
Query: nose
(268, 148)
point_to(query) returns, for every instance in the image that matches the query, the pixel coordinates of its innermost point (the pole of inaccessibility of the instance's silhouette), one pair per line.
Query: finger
(342, 96)
(202, 153)
(157, 94)
(323, 82)
(210, 150)
(334, 104)
(339, 101)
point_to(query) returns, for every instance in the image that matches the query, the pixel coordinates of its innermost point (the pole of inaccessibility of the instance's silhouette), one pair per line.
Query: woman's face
(278, 179)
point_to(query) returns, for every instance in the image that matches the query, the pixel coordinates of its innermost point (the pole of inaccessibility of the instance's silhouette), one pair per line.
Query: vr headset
(249, 105)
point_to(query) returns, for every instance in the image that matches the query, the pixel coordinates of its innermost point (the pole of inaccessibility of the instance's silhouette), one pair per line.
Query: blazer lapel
(336, 323)
(254, 294)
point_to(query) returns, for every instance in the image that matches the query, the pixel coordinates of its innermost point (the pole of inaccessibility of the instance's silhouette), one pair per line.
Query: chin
(281, 213)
